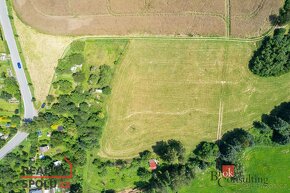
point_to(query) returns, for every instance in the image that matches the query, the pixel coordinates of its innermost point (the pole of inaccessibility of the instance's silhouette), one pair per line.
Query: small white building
(76, 67)
(3, 57)
(4, 137)
(99, 91)
(57, 163)
(13, 100)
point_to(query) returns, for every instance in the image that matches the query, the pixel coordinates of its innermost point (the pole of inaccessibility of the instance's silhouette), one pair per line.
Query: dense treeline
(272, 58)
(284, 14)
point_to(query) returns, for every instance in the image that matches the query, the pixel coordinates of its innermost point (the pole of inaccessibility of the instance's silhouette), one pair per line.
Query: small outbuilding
(44, 149)
(153, 163)
(60, 128)
(57, 163)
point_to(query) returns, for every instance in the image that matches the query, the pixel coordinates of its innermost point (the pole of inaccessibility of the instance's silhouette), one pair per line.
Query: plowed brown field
(160, 17)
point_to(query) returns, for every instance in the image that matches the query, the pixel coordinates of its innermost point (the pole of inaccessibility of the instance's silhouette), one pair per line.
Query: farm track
(227, 17)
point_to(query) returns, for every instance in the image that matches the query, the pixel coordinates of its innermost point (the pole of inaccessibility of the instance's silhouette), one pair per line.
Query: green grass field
(266, 162)
(190, 90)
(2, 45)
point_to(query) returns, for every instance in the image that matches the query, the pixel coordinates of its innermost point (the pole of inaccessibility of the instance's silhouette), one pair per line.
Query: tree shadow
(273, 19)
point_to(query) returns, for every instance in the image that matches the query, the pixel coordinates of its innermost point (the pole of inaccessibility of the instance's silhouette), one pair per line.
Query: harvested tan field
(119, 7)
(166, 17)
(120, 25)
(70, 7)
(256, 22)
(167, 6)
(245, 7)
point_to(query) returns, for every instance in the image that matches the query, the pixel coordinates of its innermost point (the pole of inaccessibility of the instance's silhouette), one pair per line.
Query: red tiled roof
(153, 165)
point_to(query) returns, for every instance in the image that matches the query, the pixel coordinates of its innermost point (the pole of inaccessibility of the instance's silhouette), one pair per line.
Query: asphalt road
(14, 142)
(29, 110)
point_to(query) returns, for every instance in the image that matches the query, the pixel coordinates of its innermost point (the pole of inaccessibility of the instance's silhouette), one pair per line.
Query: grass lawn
(7, 107)
(266, 162)
(190, 90)
(2, 46)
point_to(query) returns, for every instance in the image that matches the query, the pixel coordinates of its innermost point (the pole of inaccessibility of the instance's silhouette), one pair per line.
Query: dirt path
(220, 120)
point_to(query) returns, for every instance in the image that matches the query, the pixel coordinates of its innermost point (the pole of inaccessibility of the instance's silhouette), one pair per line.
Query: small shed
(60, 128)
(44, 149)
(57, 163)
(153, 164)
(39, 133)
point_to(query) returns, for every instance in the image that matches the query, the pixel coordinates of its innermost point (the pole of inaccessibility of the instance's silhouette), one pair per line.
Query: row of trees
(272, 58)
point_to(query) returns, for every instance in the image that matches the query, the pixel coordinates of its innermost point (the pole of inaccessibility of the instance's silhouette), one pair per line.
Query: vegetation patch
(10, 98)
(273, 56)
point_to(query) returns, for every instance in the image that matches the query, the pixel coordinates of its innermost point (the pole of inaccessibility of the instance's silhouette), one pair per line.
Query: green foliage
(57, 138)
(278, 122)
(77, 97)
(262, 133)
(50, 98)
(11, 87)
(105, 76)
(170, 151)
(5, 95)
(76, 188)
(64, 86)
(207, 151)
(284, 14)
(272, 58)
(15, 119)
(77, 46)
(75, 59)
(79, 157)
(170, 176)
(143, 173)
(94, 78)
(69, 61)
(107, 90)
(234, 142)
(79, 77)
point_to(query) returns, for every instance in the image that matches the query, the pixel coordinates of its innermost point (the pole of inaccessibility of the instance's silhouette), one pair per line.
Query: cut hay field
(190, 90)
(159, 17)
(41, 53)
